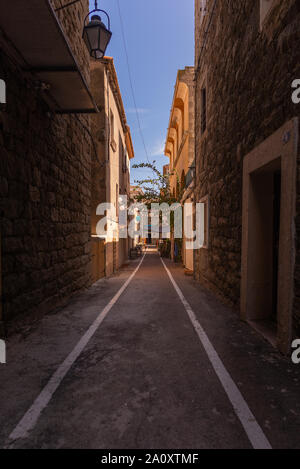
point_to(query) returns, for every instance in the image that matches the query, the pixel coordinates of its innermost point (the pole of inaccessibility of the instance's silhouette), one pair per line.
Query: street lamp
(95, 34)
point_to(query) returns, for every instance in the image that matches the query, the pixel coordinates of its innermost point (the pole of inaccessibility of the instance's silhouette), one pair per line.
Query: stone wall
(248, 74)
(99, 128)
(72, 21)
(45, 192)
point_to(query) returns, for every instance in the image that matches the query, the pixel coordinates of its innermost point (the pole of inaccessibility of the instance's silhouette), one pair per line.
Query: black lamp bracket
(76, 1)
(95, 11)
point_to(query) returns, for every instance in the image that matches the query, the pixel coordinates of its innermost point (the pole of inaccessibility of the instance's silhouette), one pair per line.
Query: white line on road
(28, 422)
(247, 419)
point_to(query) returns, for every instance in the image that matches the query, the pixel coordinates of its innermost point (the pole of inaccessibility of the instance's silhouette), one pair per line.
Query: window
(122, 156)
(182, 181)
(112, 131)
(112, 126)
(203, 110)
(124, 161)
(265, 7)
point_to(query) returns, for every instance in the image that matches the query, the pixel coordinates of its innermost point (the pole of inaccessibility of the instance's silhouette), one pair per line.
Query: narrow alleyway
(144, 380)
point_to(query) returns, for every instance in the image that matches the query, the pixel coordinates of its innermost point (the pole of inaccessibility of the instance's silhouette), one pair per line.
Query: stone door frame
(283, 145)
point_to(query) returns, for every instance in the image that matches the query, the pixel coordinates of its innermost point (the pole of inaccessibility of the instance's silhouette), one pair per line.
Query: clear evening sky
(160, 40)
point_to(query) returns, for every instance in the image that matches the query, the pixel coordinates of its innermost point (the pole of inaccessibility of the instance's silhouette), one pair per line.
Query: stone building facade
(111, 170)
(180, 147)
(247, 159)
(45, 180)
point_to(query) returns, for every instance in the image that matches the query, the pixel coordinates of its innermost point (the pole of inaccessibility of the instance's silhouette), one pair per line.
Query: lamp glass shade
(96, 37)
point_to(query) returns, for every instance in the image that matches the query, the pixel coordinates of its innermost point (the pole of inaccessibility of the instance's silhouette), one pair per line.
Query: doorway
(276, 240)
(263, 247)
(268, 241)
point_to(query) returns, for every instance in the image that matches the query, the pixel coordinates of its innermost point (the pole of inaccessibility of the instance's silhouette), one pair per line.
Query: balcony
(35, 38)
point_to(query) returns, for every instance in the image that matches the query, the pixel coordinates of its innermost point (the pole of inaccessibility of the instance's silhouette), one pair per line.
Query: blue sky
(160, 40)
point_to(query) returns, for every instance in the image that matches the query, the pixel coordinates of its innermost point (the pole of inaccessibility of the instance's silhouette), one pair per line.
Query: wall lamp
(95, 34)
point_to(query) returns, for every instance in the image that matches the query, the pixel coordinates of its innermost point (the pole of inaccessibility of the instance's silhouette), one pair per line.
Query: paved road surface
(144, 379)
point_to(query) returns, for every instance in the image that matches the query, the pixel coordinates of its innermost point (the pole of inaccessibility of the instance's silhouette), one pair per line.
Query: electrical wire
(131, 83)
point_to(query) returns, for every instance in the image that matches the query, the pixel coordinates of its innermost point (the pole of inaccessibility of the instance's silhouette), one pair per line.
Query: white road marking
(28, 422)
(254, 432)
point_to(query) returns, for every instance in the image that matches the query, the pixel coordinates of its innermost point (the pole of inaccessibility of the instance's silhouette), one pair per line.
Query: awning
(36, 34)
